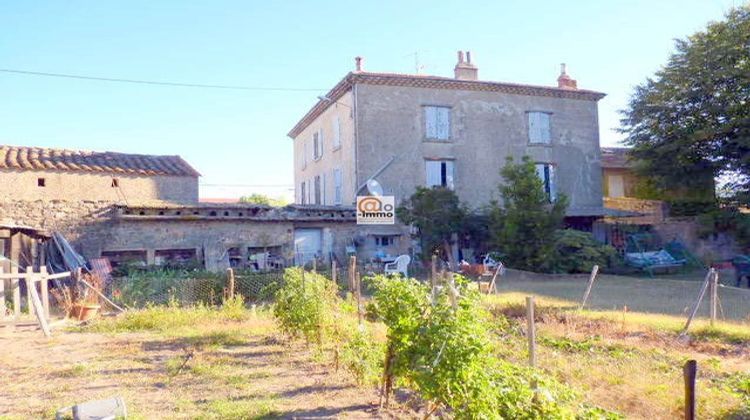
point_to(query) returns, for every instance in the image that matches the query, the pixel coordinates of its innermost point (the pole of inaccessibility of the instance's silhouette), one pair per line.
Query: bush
(306, 305)
(681, 207)
(441, 346)
(578, 252)
(726, 220)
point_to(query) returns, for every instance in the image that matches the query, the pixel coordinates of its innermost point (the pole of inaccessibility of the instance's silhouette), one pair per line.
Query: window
(317, 189)
(546, 173)
(41, 182)
(323, 194)
(302, 193)
(318, 144)
(385, 240)
(437, 122)
(539, 127)
(439, 173)
(336, 129)
(337, 190)
(115, 183)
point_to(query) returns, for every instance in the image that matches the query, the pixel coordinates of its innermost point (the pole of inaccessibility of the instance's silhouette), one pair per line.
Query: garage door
(307, 244)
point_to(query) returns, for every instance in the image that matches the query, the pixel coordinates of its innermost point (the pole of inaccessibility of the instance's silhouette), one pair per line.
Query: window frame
(446, 180)
(530, 141)
(550, 184)
(426, 127)
(338, 187)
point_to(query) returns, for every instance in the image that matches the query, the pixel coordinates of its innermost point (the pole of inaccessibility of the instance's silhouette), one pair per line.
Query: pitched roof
(435, 82)
(615, 157)
(40, 159)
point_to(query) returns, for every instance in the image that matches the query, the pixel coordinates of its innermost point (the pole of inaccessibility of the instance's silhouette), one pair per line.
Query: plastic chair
(401, 265)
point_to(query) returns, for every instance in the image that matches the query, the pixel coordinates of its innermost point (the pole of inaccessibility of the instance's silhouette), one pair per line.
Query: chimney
(358, 63)
(565, 81)
(464, 70)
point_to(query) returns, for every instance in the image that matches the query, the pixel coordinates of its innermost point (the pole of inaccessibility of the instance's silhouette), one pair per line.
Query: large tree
(437, 214)
(690, 122)
(524, 228)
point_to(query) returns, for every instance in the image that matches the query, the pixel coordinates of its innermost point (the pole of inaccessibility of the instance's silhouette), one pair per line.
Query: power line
(152, 82)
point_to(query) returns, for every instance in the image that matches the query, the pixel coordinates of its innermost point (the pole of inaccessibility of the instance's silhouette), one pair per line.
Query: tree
(524, 227)
(262, 199)
(437, 214)
(690, 123)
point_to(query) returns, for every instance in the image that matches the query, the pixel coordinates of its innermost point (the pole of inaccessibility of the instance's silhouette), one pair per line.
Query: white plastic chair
(401, 265)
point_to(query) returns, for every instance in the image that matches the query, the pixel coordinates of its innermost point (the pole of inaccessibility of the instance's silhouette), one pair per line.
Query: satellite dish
(374, 187)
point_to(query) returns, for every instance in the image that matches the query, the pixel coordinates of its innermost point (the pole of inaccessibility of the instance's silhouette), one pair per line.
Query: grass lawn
(640, 294)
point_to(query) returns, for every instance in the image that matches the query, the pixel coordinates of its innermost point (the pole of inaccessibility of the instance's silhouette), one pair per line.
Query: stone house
(618, 177)
(411, 130)
(34, 173)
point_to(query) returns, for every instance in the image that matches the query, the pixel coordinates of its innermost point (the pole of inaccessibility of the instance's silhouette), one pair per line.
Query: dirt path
(257, 376)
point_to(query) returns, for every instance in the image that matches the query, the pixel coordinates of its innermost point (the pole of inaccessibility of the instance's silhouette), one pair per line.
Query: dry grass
(214, 367)
(631, 362)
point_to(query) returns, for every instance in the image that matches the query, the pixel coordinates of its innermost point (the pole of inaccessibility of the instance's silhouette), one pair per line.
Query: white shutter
(540, 171)
(544, 134)
(443, 123)
(449, 174)
(552, 183)
(336, 132)
(304, 154)
(430, 118)
(533, 129)
(432, 169)
(320, 143)
(337, 199)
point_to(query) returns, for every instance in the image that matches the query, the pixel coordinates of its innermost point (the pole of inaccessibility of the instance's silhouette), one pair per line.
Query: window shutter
(552, 182)
(533, 128)
(430, 117)
(433, 172)
(449, 174)
(336, 132)
(304, 154)
(320, 143)
(544, 134)
(337, 199)
(443, 123)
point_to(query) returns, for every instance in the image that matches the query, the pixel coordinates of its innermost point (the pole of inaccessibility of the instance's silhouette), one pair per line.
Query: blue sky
(237, 139)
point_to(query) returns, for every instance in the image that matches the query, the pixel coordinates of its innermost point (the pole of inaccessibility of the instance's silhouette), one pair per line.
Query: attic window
(115, 183)
(41, 182)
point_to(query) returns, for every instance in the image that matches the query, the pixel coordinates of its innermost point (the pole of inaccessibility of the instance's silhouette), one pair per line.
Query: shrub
(362, 356)
(578, 252)
(441, 346)
(306, 305)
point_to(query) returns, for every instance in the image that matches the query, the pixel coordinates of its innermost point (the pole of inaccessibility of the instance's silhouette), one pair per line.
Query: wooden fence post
(2, 295)
(333, 271)
(352, 270)
(16, 286)
(698, 301)
(433, 270)
(230, 281)
(690, 372)
(359, 297)
(44, 286)
(315, 264)
(714, 296)
(531, 330)
(594, 272)
(30, 283)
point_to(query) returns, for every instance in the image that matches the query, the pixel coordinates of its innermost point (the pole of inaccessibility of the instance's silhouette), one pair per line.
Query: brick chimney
(359, 64)
(464, 70)
(565, 81)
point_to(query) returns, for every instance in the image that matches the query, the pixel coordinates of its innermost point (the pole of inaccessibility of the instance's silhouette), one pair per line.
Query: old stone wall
(72, 186)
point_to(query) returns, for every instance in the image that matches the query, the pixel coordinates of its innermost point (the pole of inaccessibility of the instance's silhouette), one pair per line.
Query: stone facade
(211, 233)
(89, 186)
(384, 135)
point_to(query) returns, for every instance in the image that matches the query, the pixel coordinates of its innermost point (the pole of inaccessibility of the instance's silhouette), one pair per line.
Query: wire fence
(667, 296)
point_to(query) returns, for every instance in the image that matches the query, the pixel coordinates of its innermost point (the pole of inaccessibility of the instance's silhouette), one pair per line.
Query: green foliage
(577, 252)
(690, 206)
(436, 213)
(159, 286)
(442, 347)
(726, 220)
(265, 200)
(689, 123)
(306, 305)
(523, 229)
(362, 356)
